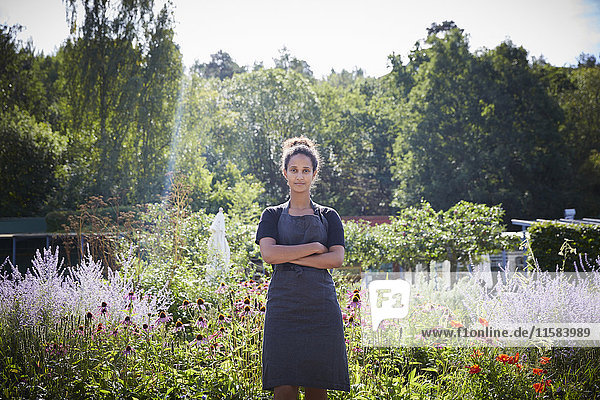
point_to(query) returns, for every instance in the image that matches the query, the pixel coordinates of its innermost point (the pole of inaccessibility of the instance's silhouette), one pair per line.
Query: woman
(303, 342)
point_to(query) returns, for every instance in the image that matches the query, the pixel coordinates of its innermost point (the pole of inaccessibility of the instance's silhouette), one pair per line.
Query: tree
(579, 98)
(120, 81)
(221, 66)
(521, 121)
(30, 164)
(437, 149)
(480, 128)
(256, 111)
(20, 84)
(159, 97)
(287, 61)
(358, 130)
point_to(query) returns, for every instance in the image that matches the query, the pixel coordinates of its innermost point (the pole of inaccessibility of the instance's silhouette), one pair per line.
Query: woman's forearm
(331, 259)
(278, 254)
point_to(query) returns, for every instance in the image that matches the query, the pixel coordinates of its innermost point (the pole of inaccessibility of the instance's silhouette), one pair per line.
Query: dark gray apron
(303, 341)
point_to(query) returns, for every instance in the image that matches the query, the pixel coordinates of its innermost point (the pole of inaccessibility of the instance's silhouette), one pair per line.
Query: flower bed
(79, 335)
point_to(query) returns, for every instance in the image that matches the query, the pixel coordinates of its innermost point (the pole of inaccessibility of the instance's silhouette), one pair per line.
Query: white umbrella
(218, 249)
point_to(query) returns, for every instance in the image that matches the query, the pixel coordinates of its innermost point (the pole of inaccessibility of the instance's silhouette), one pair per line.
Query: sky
(344, 34)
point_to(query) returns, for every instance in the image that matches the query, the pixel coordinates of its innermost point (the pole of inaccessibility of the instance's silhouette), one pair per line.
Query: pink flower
(179, 326)
(355, 302)
(185, 305)
(199, 340)
(163, 318)
(222, 288)
(221, 319)
(201, 322)
(200, 303)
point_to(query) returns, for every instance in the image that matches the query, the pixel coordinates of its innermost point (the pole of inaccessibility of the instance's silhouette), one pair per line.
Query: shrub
(555, 244)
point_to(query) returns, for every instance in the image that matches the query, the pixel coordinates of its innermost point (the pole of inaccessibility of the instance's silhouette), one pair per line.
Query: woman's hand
(320, 248)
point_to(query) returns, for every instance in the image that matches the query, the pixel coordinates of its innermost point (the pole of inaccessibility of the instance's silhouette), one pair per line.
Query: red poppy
(538, 371)
(544, 360)
(483, 321)
(456, 324)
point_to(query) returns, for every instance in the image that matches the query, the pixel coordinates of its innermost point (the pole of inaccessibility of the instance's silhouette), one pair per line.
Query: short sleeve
(335, 229)
(267, 226)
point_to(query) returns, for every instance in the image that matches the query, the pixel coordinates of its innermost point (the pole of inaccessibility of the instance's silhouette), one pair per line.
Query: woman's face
(299, 173)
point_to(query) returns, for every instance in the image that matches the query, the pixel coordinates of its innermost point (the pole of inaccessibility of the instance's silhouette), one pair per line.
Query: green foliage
(57, 220)
(200, 355)
(288, 62)
(577, 91)
(119, 80)
(358, 130)
(21, 83)
(171, 241)
(256, 111)
(447, 124)
(30, 163)
(421, 235)
(474, 128)
(221, 66)
(559, 245)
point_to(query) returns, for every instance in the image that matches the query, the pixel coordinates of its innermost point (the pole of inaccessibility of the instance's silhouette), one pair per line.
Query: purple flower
(163, 318)
(221, 319)
(222, 288)
(179, 326)
(199, 340)
(246, 310)
(201, 322)
(128, 350)
(201, 303)
(185, 305)
(355, 301)
(103, 309)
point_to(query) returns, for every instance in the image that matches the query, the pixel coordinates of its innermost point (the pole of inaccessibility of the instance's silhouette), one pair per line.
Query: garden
(129, 153)
(138, 318)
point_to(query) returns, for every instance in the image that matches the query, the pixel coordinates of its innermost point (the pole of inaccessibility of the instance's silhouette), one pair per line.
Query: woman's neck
(300, 201)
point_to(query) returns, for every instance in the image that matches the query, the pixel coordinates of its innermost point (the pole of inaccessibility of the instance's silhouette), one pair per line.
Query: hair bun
(298, 141)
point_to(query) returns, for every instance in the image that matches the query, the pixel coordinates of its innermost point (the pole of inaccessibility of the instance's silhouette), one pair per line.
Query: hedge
(547, 239)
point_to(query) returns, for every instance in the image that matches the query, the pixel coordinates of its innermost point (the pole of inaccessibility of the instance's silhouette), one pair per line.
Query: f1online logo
(388, 299)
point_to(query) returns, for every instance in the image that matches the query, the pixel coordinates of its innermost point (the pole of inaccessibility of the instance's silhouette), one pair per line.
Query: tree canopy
(113, 113)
